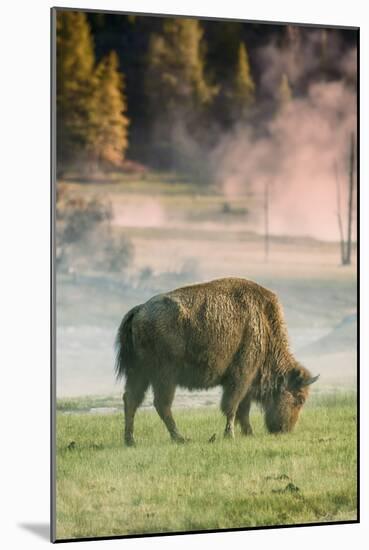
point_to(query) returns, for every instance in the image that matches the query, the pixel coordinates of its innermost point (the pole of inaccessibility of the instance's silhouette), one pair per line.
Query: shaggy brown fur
(228, 332)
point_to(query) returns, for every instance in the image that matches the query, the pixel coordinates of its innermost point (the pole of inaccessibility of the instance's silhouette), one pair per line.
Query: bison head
(282, 410)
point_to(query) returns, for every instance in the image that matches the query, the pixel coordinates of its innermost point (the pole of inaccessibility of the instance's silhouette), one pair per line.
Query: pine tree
(244, 87)
(177, 90)
(176, 76)
(324, 49)
(75, 83)
(109, 113)
(292, 38)
(284, 92)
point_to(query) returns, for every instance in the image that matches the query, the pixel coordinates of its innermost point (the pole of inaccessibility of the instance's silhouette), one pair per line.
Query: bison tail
(124, 345)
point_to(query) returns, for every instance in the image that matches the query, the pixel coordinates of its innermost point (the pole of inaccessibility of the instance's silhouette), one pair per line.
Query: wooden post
(339, 215)
(350, 201)
(266, 220)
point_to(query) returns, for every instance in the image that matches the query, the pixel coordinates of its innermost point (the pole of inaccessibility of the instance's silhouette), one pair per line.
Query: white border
(25, 266)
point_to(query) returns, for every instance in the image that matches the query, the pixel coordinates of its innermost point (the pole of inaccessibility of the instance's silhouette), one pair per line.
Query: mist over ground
(184, 240)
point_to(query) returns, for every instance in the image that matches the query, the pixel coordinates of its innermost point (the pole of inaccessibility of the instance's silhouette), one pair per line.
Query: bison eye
(299, 399)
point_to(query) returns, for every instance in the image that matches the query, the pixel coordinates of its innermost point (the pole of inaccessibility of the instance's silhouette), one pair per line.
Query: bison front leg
(163, 399)
(229, 405)
(243, 415)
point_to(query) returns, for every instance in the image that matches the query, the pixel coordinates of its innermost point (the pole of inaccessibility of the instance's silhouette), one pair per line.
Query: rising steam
(295, 154)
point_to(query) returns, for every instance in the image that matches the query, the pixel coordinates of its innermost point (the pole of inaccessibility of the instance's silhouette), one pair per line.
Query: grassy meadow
(104, 488)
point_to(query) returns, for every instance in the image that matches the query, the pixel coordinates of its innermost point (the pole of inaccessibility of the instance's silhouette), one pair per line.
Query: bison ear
(296, 379)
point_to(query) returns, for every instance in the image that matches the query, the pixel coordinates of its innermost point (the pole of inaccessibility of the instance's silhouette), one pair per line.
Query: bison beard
(229, 332)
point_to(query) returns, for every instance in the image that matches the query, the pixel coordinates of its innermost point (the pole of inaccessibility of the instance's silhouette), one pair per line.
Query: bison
(228, 332)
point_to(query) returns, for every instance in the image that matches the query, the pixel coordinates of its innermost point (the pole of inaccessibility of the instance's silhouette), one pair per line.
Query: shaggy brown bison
(229, 332)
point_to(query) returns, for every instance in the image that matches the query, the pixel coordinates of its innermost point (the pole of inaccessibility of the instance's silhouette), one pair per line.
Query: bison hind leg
(163, 398)
(133, 396)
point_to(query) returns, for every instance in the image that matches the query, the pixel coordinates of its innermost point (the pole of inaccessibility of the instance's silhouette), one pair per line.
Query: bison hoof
(228, 435)
(130, 443)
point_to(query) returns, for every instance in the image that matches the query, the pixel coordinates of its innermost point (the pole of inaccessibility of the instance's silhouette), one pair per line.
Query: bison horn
(311, 380)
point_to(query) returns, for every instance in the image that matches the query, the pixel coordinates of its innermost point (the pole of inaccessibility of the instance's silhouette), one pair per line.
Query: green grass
(83, 404)
(106, 489)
